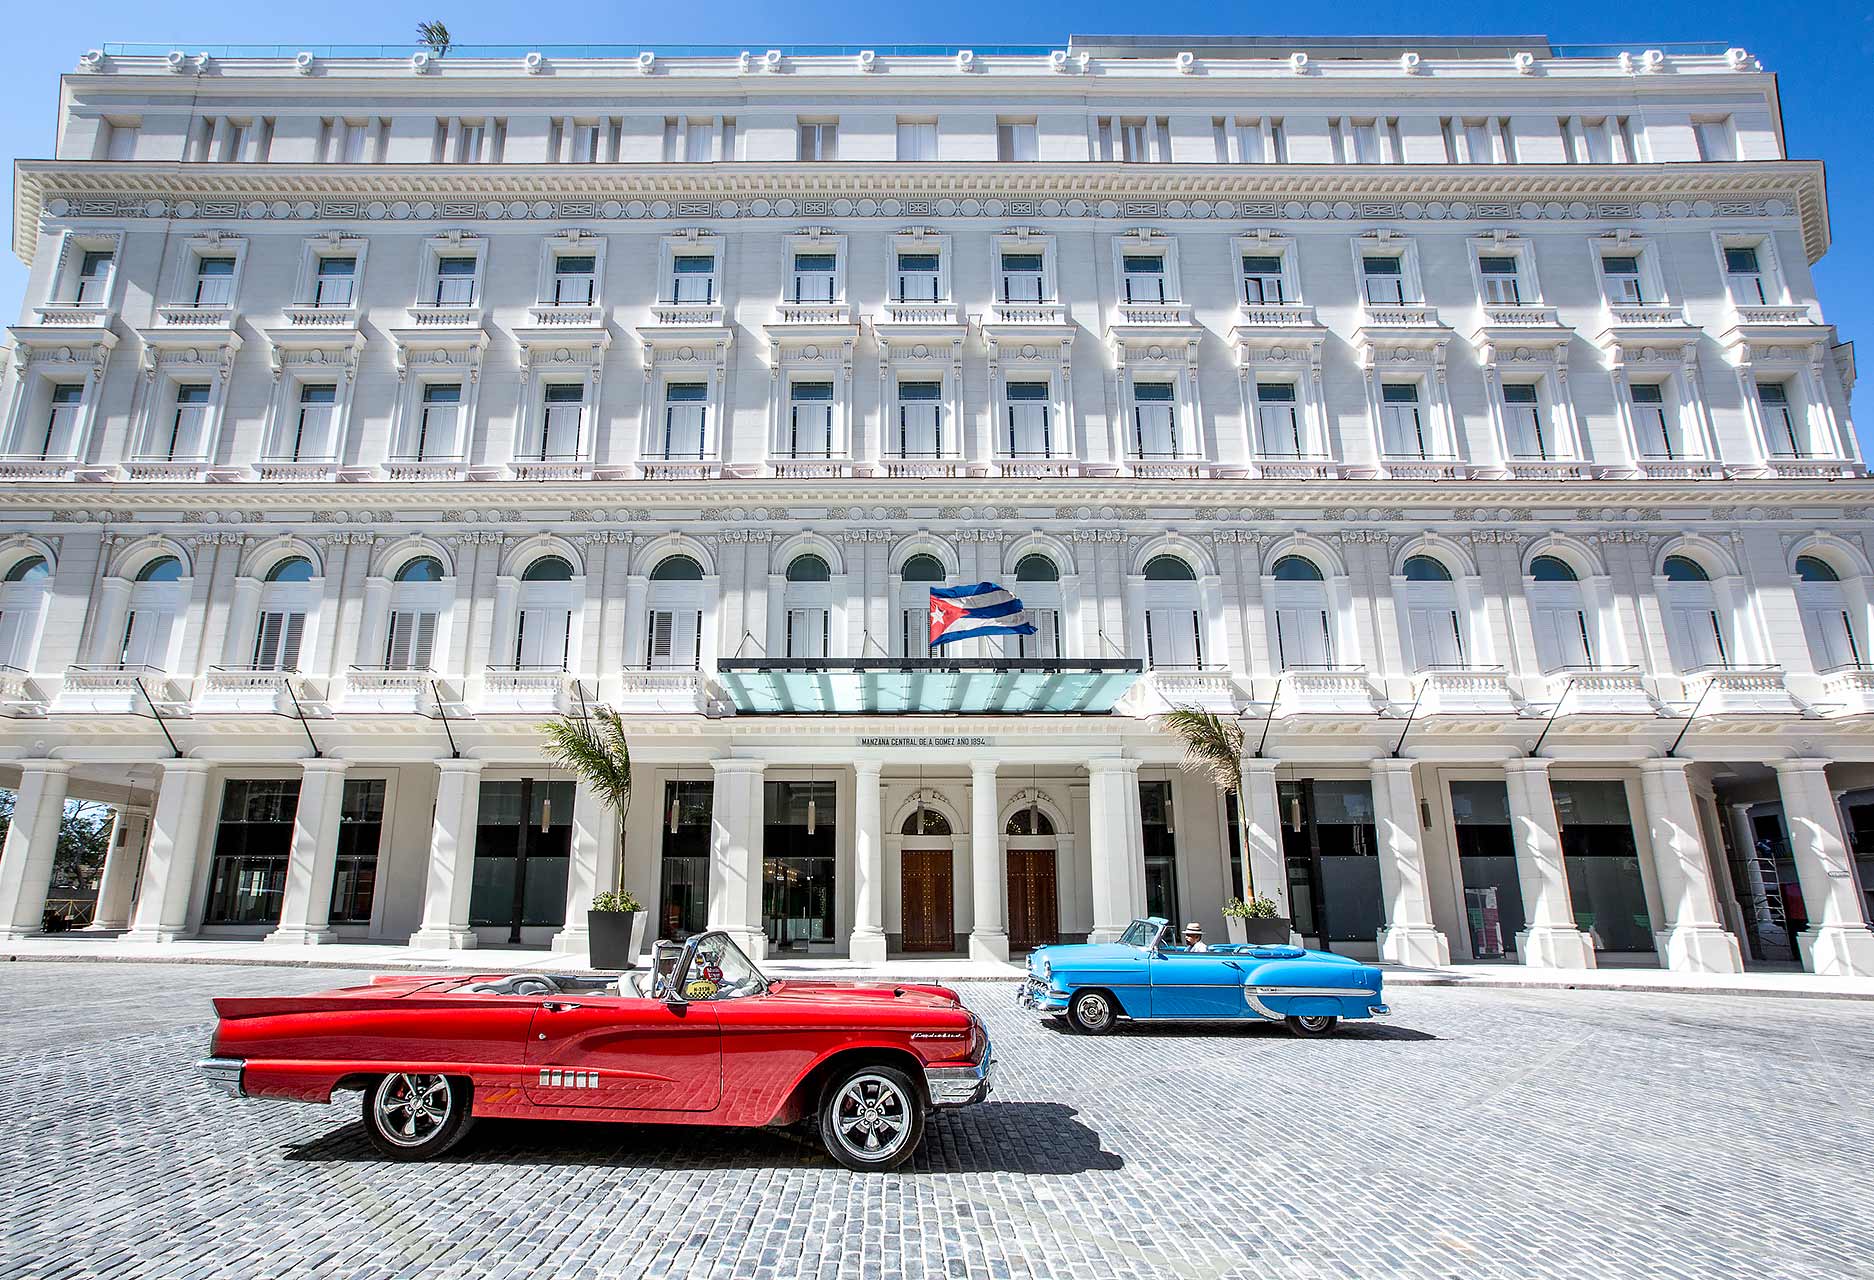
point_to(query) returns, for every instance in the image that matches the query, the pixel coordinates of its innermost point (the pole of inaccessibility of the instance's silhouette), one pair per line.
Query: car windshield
(719, 971)
(1140, 933)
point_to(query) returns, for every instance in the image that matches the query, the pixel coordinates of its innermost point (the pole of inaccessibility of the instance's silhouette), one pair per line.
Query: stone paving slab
(1477, 1134)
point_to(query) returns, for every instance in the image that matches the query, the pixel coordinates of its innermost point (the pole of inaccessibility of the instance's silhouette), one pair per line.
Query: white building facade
(1458, 415)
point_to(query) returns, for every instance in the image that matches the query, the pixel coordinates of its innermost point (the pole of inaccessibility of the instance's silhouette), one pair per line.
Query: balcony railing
(811, 467)
(1274, 315)
(1465, 690)
(683, 691)
(1399, 315)
(680, 468)
(321, 319)
(1656, 468)
(528, 690)
(1738, 689)
(72, 315)
(1296, 466)
(1848, 690)
(1328, 689)
(20, 694)
(290, 469)
(1533, 468)
(407, 468)
(1416, 467)
(251, 690)
(388, 689)
(1155, 313)
(933, 313)
(30, 466)
(1645, 315)
(1037, 313)
(565, 315)
(687, 315)
(1597, 691)
(1037, 466)
(195, 315)
(920, 467)
(1211, 689)
(1520, 315)
(1773, 315)
(573, 468)
(812, 313)
(1810, 468)
(444, 318)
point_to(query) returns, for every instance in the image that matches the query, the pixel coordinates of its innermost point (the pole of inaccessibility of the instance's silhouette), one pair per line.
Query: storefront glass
(360, 832)
(1161, 850)
(1603, 865)
(253, 841)
(683, 891)
(798, 881)
(1493, 896)
(1331, 847)
(523, 839)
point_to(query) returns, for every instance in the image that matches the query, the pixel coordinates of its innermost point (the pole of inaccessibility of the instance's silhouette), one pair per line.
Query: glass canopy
(926, 686)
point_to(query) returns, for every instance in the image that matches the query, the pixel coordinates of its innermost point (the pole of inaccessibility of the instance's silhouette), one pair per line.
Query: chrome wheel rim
(1316, 1022)
(410, 1107)
(872, 1116)
(1094, 1012)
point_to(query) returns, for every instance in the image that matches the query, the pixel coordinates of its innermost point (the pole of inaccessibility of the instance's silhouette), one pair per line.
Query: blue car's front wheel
(1310, 1027)
(1091, 1013)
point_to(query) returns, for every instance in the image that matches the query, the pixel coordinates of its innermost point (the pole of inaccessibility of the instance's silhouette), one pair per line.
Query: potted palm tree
(1214, 746)
(595, 749)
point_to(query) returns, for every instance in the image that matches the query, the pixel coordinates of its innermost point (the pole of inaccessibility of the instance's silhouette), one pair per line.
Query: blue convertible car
(1147, 975)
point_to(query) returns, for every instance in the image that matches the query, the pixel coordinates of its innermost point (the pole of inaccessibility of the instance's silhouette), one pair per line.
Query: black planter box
(1262, 933)
(610, 934)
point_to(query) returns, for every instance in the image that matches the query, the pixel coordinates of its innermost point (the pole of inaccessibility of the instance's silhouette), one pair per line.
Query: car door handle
(557, 1006)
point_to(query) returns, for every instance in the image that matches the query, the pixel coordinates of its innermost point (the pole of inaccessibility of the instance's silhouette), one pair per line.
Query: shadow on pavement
(990, 1137)
(1353, 1031)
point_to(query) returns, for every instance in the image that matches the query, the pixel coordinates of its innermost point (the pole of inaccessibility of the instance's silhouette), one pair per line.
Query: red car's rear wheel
(871, 1118)
(413, 1115)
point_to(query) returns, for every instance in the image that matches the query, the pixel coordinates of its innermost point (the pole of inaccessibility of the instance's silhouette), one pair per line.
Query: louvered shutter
(146, 638)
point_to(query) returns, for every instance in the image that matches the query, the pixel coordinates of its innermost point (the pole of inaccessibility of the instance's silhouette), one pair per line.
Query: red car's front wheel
(871, 1118)
(414, 1115)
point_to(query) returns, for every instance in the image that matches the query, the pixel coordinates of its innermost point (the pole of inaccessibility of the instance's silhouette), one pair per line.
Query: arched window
(674, 624)
(1434, 620)
(1550, 569)
(809, 606)
(285, 601)
(1168, 569)
(1828, 615)
(1029, 821)
(1559, 613)
(922, 568)
(1040, 580)
(161, 569)
(157, 598)
(1680, 569)
(416, 606)
(925, 822)
(1174, 627)
(291, 569)
(1036, 568)
(543, 628)
(22, 602)
(1698, 632)
(1295, 569)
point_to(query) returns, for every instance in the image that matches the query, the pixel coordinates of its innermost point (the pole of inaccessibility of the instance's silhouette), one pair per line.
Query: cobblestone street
(1476, 1133)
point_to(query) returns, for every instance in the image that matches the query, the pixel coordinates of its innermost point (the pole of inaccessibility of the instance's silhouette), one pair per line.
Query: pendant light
(546, 811)
(1171, 809)
(676, 790)
(920, 797)
(1034, 800)
(812, 789)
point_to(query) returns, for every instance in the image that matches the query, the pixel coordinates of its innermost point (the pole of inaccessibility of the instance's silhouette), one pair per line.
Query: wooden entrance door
(928, 922)
(1034, 916)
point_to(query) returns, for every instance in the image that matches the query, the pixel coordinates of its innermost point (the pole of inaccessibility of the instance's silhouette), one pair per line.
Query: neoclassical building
(1457, 415)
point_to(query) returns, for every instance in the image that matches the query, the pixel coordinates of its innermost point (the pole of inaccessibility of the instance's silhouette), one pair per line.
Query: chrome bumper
(1036, 998)
(959, 1086)
(224, 1074)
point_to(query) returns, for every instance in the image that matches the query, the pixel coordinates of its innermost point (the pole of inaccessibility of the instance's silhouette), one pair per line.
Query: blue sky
(1822, 49)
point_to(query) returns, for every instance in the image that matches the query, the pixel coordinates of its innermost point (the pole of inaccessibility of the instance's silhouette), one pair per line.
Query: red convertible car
(703, 1038)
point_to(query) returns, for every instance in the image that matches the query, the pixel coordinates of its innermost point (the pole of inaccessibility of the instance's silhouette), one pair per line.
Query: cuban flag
(982, 609)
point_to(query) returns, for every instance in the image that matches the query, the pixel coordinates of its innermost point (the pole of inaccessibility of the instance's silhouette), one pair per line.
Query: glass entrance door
(1603, 863)
(683, 888)
(1332, 850)
(1493, 894)
(798, 881)
(523, 841)
(1161, 851)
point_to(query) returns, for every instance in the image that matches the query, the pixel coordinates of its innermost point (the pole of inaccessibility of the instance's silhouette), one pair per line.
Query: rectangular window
(1657, 436)
(214, 282)
(1502, 287)
(253, 843)
(810, 420)
(455, 282)
(1383, 278)
(1046, 641)
(543, 638)
(1154, 420)
(920, 419)
(276, 641)
(1016, 141)
(1623, 280)
(1022, 278)
(918, 278)
(686, 419)
(816, 277)
(187, 429)
(62, 419)
(1522, 421)
(675, 640)
(1133, 145)
(312, 433)
(1744, 276)
(819, 140)
(1402, 428)
(1173, 639)
(585, 142)
(333, 281)
(699, 141)
(1478, 147)
(564, 410)
(1779, 420)
(917, 139)
(94, 278)
(411, 645)
(1262, 279)
(1278, 419)
(438, 420)
(807, 633)
(121, 142)
(575, 279)
(360, 833)
(1717, 138)
(1600, 141)
(693, 278)
(1365, 135)
(1144, 277)
(1030, 423)
(355, 136)
(146, 638)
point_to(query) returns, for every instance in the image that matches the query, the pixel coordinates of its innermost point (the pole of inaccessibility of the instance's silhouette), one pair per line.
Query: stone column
(1549, 939)
(735, 854)
(1837, 943)
(1118, 846)
(868, 848)
(591, 869)
(445, 924)
(306, 906)
(1694, 939)
(1259, 810)
(32, 840)
(122, 860)
(1408, 936)
(989, 938)
(176, 838)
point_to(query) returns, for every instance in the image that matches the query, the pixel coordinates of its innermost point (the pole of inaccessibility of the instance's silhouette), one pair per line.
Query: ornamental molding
(61, 191)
